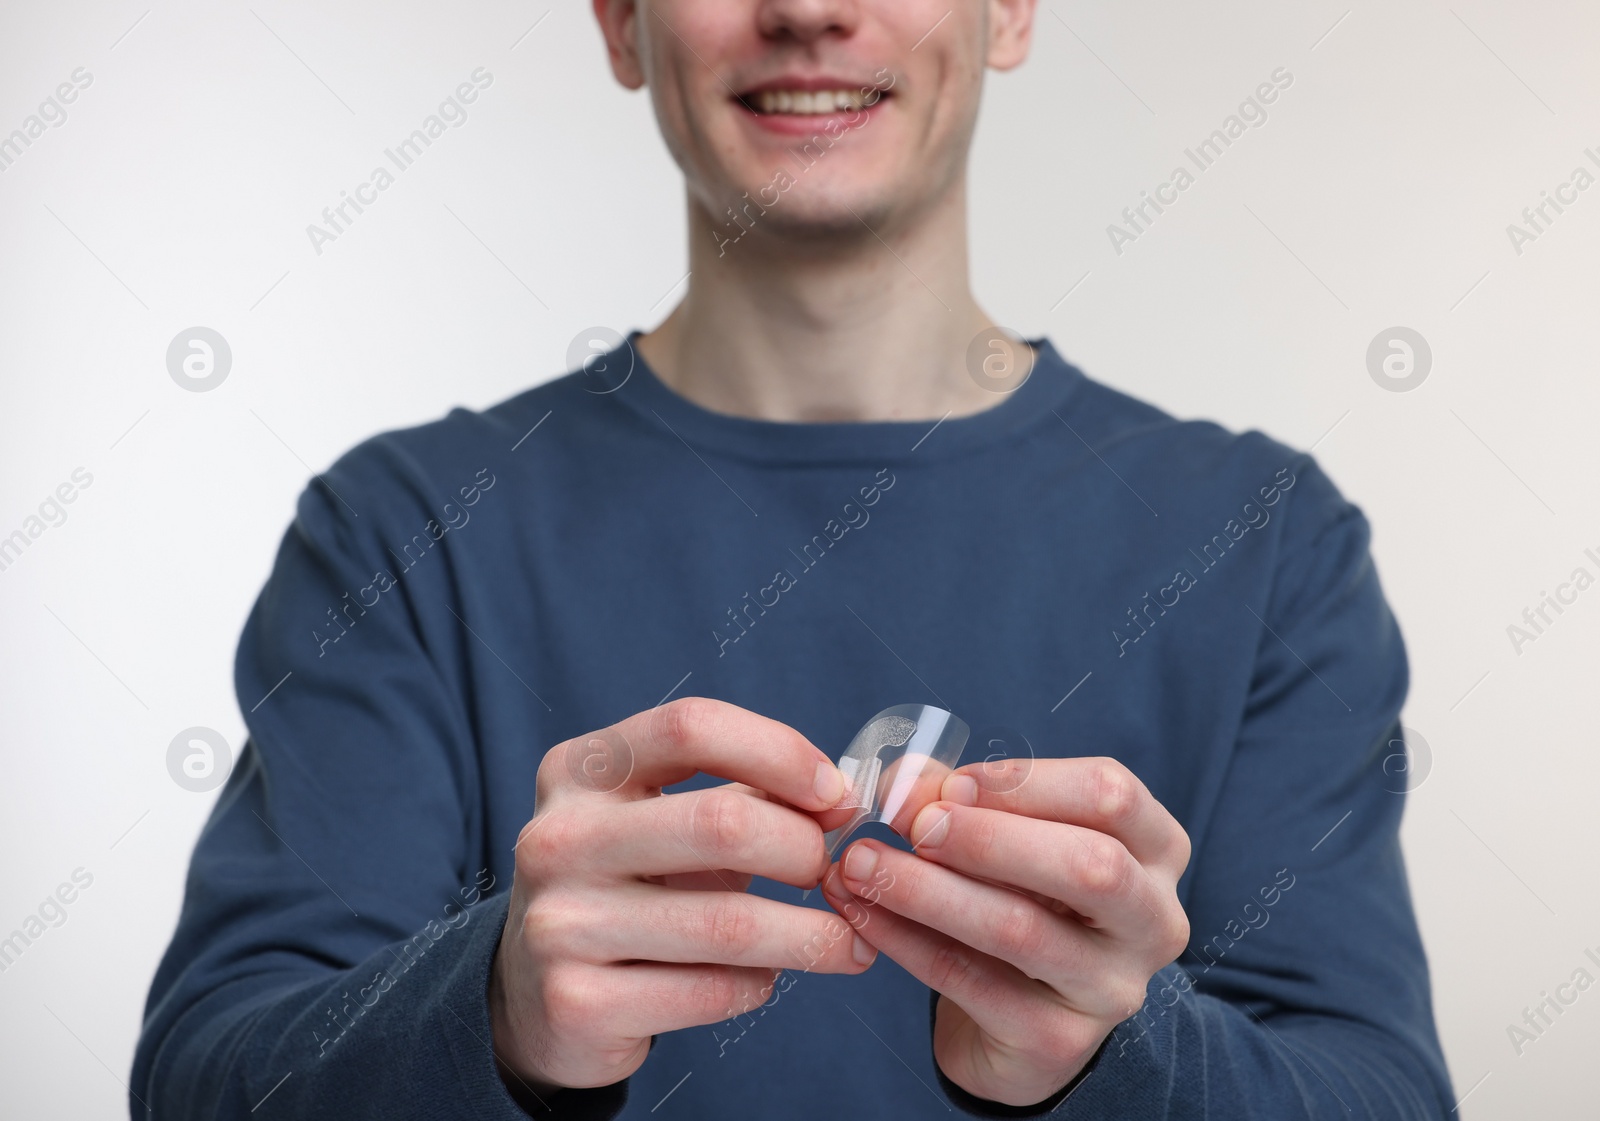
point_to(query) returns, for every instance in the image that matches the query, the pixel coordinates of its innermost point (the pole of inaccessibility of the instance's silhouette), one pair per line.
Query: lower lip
(798, 124)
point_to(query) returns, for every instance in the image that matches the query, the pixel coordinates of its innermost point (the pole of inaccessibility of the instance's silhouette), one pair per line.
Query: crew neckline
(1049, 385)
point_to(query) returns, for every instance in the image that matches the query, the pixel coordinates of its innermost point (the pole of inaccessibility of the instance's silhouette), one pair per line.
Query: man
(1168, 883)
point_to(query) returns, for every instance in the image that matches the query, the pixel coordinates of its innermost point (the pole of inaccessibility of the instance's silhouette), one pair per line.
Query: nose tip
(807, 21)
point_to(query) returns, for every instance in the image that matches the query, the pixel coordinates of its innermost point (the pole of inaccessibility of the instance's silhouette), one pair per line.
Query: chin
(800, 216)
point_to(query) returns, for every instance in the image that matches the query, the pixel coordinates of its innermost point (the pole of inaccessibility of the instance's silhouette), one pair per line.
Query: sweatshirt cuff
(463, 1018)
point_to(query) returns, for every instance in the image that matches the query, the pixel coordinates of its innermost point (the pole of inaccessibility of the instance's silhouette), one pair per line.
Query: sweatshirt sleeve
(340, 919)
(1304, 991)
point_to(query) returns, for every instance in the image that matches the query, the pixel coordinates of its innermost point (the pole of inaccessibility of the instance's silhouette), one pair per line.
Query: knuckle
(551, 767)
(1100, 866)
(718, 994)
(728, 927)
(1116, 791)
(1175, 935)
(549, 926)
(822, 949)
(1182, 849)
(686, 720)
(721, 822)
(1129, 994)
(1071, 1036)
(1021, 932)
(548, 841)
(569, 1002)
(951, 968)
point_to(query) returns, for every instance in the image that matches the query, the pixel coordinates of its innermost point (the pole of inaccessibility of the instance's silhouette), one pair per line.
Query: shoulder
(431, 462)
(1198, 469)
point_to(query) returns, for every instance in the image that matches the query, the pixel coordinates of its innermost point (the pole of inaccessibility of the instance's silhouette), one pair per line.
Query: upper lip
(808, 84)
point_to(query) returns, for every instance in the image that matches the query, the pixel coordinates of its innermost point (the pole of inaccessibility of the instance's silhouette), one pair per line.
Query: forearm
(1186, 1054)
(403, 1034)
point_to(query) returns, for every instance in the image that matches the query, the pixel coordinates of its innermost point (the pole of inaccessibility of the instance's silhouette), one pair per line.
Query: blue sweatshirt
(1071, 571)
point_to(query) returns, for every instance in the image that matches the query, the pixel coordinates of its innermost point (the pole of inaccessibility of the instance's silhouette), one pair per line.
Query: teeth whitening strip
(903, 751)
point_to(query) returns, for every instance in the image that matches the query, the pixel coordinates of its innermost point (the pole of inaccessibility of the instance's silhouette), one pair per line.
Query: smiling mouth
(811, 103)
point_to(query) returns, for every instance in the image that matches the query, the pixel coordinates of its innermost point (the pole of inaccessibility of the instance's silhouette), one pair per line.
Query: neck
(861, 325)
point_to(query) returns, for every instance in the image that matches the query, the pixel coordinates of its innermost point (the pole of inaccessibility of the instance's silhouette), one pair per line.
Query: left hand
(1040, 901)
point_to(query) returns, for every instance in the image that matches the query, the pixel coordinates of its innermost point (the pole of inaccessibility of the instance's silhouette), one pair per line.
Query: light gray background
(1378, 194)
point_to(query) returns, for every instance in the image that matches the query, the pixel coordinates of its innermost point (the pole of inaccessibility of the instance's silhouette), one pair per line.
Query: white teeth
(813, 102)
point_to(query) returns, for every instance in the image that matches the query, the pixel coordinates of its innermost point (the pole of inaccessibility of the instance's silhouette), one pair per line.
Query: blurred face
(815, 111)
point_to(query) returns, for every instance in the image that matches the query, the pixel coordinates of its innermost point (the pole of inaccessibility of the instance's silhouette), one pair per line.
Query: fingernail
(862, 951)
(961, 789)
(829, 783)
(859, 863)
(930, 827)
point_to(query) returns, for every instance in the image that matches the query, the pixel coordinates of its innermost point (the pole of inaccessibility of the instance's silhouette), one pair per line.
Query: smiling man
(540, 743)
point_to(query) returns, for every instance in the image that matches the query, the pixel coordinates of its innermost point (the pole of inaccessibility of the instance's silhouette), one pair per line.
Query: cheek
(944, 103)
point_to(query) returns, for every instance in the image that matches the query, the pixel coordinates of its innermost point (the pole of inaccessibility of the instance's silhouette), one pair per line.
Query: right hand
(629, 913)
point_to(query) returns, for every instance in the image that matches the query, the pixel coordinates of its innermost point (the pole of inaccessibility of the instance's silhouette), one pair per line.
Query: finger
(647, 998)
(672, 742)
(993, 920)
(1091, 873)
(696, 831)
(999, 997)
(717, 879)
(1099, 794)
(900, 790)
(650, 923)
